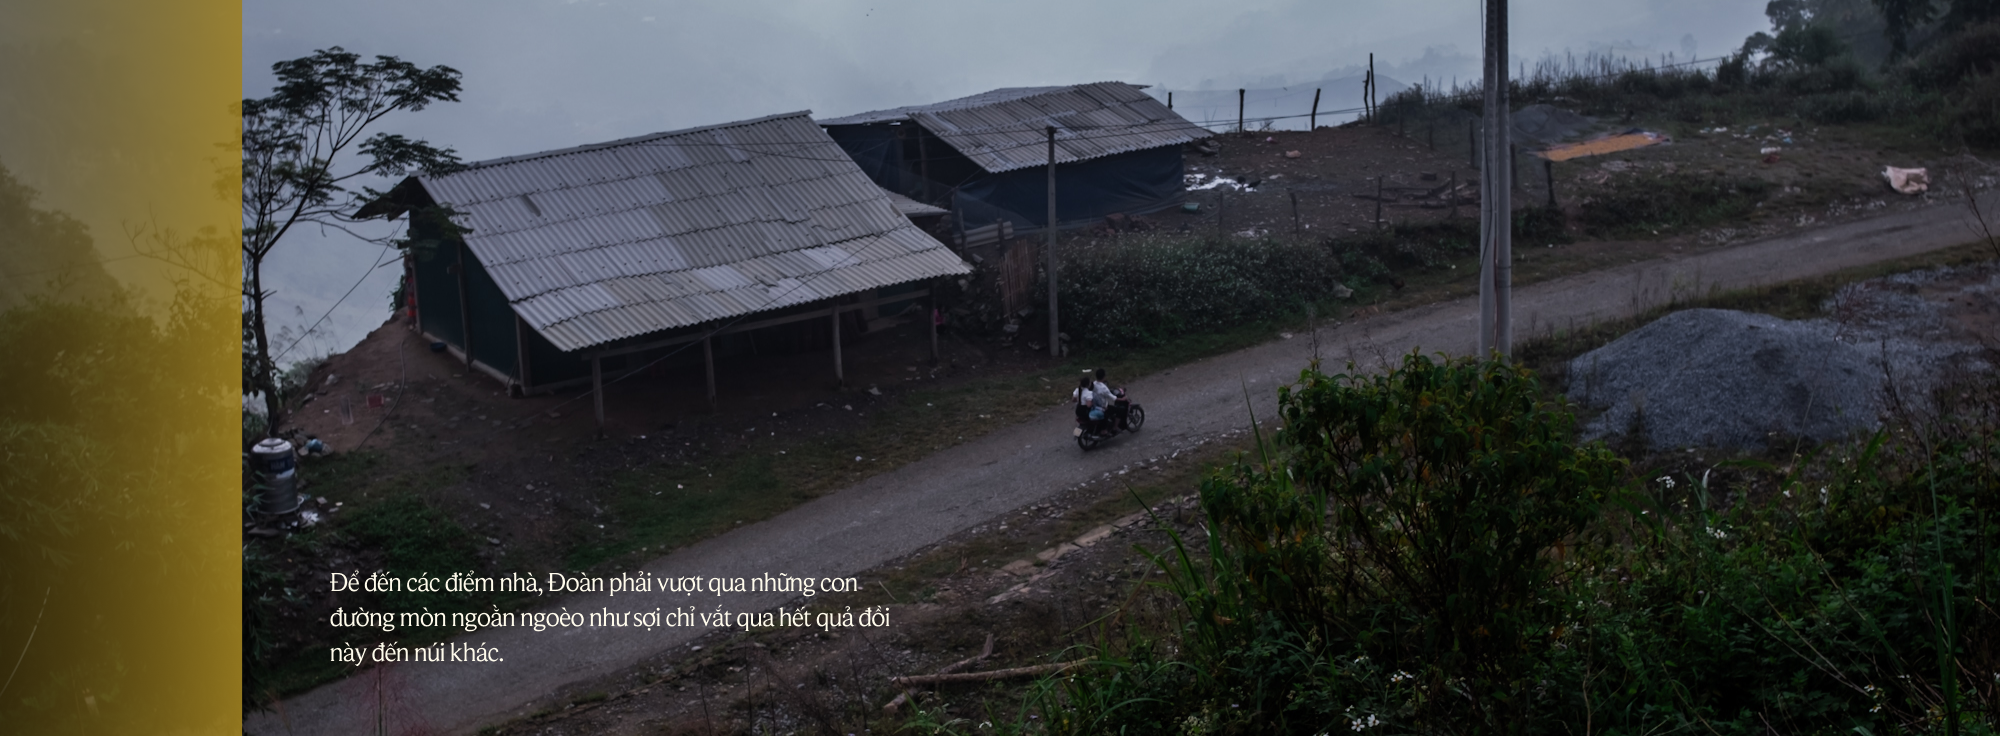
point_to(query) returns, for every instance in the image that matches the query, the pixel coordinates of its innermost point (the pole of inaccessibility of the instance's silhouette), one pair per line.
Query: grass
(391, 517)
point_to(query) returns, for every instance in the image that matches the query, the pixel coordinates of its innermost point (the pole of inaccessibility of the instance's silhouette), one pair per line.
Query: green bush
(1977, 114)
(1642, 204)
(1135, 292)
(1427, 550)
(1968, 55)
(1387, 559)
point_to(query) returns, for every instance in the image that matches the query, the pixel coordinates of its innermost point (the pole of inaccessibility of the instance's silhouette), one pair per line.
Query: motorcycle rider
(1113, 404)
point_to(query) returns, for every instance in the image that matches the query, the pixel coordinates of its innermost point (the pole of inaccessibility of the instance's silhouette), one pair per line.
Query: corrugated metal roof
(602, 242)
(913, 208)
(1005, 129)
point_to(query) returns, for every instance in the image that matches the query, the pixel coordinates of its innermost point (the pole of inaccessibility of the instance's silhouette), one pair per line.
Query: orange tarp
(1598, 146)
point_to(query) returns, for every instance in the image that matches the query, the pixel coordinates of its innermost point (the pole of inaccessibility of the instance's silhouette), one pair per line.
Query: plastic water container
(277, 468)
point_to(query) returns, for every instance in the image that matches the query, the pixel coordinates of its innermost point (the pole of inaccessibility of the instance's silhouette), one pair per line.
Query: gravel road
(893, 514)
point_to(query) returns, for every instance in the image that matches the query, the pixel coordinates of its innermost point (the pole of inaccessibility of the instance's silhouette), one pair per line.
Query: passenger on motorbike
(1085, 399)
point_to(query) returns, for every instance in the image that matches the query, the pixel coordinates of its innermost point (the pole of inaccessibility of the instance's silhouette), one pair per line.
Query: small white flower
(1666, 479)
(1788, 493)
(1717, 533)
(1400, 676)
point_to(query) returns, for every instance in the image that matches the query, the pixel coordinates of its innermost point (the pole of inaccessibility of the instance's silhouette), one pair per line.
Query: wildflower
(1717, 533)
(1788, 493)
(1364, 723)
(1666, 479)
(1400, 676)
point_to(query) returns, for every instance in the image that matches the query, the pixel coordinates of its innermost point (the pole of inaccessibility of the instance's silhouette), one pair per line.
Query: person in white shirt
(1107, 400)
(1085, 398)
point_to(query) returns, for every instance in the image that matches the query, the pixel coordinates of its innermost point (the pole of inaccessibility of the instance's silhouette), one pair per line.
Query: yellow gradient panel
(120, 457)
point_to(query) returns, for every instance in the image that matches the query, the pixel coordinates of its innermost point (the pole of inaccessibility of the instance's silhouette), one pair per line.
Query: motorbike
(1124, 415)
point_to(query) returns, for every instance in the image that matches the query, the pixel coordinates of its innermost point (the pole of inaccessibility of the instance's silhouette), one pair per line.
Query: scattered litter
(1907, 181)
(857, 458)
(849, 407)
(1293, 154)
(486, 506)
(1198, 181)
(1281, 336)
(1771, 158)
(308, 517)
(1769, 149)
(873, 391)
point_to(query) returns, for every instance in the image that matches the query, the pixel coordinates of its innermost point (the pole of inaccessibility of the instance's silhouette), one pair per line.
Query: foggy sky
(543, 74)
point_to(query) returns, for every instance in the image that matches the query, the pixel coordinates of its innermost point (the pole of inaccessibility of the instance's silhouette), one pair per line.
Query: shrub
(1645, 203)
(1967, 55)
(1132, 292)
(1389, 551)
(1977, 114)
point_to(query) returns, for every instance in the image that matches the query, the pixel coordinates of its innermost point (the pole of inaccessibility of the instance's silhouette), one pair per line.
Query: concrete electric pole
(1496, 247)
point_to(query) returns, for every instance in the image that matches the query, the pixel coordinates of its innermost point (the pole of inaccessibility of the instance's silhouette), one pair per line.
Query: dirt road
(895, 513)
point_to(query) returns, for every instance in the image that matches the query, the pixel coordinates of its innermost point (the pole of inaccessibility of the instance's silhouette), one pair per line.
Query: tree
(1903, 16)
(293, 143)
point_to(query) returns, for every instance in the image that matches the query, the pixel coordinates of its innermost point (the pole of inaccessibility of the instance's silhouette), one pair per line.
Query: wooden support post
(1239, 112)
(708, 365)
(1054, 350)
(1549, 178)
(923, 165)
(839, 369)
(1170, 100)
(1378, 202)
(464, 310)
(597, 389)
(1367, 112)
(1371, 86)
(1451, 190)
(936, 314)
(521, 372)
(1296, 228)
(1472, 143)
(1312, 123)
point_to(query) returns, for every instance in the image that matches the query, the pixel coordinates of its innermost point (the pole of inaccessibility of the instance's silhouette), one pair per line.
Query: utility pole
(1496, 221)
(1055, 337)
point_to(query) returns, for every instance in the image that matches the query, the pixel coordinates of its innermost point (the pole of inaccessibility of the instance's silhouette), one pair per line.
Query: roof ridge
(807, 114)
(910, 111)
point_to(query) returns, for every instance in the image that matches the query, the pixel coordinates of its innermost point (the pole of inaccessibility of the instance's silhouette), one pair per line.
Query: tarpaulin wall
(1086, 191)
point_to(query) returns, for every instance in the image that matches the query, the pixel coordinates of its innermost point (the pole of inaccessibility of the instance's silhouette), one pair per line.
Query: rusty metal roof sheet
(1004, 129)
(603, 242)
